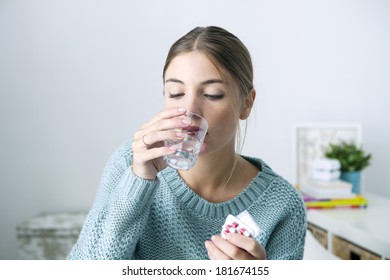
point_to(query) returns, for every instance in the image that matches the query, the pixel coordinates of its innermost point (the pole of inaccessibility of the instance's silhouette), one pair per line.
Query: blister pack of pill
(243, 224)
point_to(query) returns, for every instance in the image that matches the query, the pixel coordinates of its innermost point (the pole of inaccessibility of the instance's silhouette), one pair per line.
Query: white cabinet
(354, 233)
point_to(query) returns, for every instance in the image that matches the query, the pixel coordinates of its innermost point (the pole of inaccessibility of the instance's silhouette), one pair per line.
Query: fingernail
(186, 121)
(180, 134)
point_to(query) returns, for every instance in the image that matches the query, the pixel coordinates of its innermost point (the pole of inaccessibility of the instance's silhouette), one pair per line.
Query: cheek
(166, 99)
(223, 123)
(168, 102)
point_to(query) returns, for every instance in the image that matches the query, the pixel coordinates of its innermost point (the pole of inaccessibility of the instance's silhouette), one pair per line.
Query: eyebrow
(207, 82)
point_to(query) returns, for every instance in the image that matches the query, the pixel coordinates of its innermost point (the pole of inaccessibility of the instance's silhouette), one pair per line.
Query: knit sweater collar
(241, 202)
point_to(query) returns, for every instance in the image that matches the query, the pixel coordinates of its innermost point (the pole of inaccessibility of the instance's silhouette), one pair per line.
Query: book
(335, 184)
(363, 206)
(328, 190)
(358, 201)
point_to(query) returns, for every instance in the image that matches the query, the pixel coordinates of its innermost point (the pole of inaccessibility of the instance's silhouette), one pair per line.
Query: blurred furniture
(344, 233)
(354, 233)
(314, 250)
(48, 235)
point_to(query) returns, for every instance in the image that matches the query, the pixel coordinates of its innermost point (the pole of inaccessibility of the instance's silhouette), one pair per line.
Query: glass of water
(187, 149)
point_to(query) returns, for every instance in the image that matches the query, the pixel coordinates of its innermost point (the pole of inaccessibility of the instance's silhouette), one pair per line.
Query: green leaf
(351, 157)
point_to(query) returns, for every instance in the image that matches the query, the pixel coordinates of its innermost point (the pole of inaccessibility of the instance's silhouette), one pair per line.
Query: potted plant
(353, 160)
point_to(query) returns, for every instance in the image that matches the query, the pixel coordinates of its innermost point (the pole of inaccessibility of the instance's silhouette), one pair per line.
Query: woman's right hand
(148, 144)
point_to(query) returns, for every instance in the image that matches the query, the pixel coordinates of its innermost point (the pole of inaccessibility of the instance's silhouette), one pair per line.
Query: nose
(193, 104)
(195, 117)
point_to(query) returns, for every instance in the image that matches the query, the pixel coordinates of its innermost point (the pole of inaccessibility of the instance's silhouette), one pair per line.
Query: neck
(212, 173)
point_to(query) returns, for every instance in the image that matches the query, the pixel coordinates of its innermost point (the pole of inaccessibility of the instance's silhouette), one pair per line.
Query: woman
(146, 210)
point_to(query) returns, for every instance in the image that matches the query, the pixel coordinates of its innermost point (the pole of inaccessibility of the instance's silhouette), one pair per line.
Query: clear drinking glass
(187, 149)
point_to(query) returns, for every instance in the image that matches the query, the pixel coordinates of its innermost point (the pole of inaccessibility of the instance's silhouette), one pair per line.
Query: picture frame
(310, 141)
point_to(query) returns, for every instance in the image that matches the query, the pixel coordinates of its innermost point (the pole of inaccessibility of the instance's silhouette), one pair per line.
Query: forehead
(194, 64)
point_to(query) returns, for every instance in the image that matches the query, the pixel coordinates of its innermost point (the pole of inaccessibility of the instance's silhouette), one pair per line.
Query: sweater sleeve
(119, 213)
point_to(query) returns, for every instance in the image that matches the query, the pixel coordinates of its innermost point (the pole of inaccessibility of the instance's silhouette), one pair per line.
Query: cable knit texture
(133, 218)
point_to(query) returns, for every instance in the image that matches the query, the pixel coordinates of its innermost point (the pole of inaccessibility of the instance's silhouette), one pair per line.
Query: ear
(247, 106)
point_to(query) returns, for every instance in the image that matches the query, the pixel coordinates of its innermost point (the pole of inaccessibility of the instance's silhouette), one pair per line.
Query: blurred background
(78, 78)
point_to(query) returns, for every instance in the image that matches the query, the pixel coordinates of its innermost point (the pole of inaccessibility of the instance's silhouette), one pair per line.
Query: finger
(151, 154)
(146, 164)
(161, 136)
(167, 124)
(214, 252)
(166, 114)
(248, 244)
(231, 250)
(157, 138)
(162, 125)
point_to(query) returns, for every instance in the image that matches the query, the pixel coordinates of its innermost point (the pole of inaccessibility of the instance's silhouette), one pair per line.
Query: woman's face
(192, 81)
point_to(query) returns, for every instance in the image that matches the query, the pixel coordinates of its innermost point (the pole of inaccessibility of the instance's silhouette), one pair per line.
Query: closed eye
(176, 95)
(214, 96)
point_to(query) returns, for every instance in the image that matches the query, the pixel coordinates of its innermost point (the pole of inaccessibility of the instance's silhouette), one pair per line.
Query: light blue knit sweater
(133, 218)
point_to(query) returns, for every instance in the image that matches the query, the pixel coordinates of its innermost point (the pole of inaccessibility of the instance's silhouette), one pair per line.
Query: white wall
(77, 79)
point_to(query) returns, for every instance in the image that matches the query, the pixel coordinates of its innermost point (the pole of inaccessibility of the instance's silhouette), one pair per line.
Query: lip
(192, 129)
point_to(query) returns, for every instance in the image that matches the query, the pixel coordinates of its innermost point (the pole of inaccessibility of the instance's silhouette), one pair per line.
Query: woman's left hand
(235, 247)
